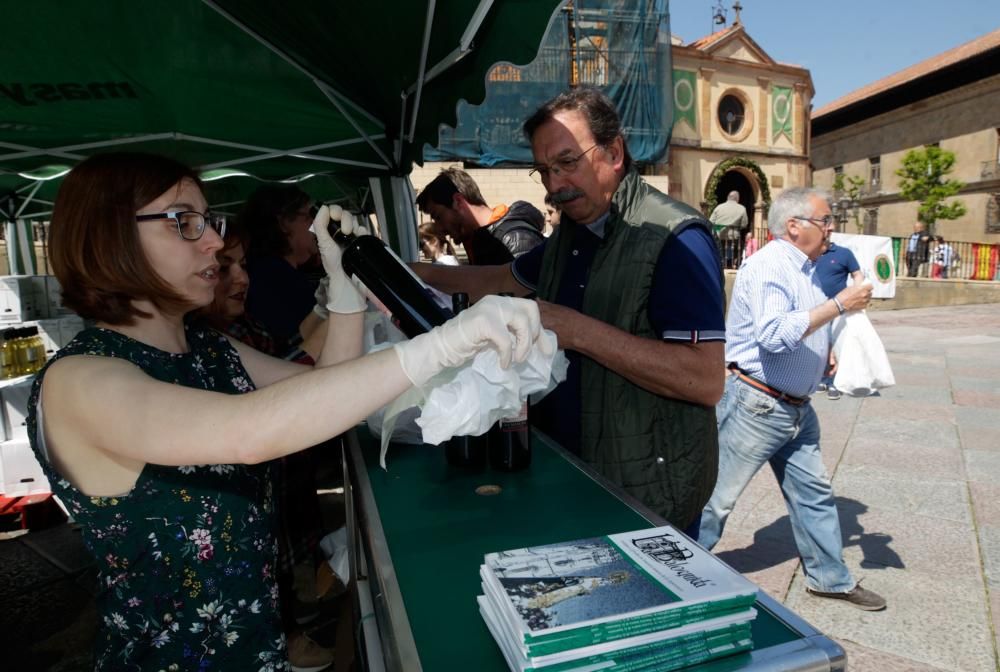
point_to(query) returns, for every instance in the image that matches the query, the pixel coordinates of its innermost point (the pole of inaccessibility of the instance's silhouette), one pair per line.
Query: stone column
(706, 103)
(763, 111)
(801, 118)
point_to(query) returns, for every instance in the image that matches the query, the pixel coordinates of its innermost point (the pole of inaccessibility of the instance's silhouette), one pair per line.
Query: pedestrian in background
(917, 249)
(943, 257)
(777, 347)
(730, 220)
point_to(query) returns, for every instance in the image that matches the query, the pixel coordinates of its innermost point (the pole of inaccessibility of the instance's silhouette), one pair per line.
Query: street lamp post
(843, 208)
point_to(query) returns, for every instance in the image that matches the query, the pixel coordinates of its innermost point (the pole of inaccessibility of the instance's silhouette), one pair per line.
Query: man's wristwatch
(840, 306)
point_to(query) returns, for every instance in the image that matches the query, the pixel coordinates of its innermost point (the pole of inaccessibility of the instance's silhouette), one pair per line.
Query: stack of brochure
(647, 600)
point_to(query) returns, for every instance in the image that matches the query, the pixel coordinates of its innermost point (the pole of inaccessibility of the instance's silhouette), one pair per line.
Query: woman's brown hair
(94, 243)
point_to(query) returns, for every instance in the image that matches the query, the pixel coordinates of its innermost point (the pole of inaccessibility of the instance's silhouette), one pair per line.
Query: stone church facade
(741, 122)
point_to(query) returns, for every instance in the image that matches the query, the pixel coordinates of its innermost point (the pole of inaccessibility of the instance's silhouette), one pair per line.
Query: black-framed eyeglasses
(566, 165)
(190, 224)
(825, 222)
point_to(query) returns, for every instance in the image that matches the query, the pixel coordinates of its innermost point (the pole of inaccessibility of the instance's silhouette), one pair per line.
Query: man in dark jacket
(631, 283)
(489, 235)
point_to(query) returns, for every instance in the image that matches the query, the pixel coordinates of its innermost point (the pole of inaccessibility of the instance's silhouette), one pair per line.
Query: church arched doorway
(734, 180)
(744, 176)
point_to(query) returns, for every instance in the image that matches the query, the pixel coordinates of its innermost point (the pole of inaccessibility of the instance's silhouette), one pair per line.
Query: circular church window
(732, 114)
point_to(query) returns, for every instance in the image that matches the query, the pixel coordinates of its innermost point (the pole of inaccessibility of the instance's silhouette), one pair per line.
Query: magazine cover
(614, 586)
(600, 637)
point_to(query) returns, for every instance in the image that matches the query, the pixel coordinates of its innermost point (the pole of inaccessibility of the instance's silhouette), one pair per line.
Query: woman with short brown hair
(156, 433)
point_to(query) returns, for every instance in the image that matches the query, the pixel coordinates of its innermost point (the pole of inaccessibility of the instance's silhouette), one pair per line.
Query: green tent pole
(395, 207)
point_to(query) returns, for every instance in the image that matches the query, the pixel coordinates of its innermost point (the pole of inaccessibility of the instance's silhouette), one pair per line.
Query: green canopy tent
(341, 95)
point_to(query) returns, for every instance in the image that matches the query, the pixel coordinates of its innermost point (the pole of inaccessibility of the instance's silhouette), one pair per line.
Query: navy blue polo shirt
(685, 306)
(833, 268)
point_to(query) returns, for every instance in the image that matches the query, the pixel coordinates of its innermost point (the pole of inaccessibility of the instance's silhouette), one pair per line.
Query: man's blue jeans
(755, 428)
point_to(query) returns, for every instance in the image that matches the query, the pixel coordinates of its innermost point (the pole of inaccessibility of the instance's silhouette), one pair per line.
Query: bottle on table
(35, 350)
(20, 348)
(468, 452)
(28, 350)
(8, 360)
(510, 439)
(391, 281)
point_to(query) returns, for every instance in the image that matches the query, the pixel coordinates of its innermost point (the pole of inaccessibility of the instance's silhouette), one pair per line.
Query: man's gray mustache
(564, 196)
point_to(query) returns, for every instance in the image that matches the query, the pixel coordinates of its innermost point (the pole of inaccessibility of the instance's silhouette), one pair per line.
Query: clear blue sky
(846, 43)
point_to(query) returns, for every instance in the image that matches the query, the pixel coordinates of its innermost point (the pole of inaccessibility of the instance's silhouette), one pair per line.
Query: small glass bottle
(20, 348)
(34, 350)
(8, 363)
(468, 452)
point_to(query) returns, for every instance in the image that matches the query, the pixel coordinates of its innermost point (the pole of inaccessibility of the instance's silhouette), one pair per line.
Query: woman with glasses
(157, 434)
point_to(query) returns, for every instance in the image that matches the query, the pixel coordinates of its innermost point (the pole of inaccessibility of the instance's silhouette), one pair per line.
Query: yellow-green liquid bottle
(20, 343)
(34, 350)
(8, 363)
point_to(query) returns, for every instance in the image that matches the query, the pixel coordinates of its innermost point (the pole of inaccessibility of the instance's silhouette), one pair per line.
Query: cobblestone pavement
(916, 471)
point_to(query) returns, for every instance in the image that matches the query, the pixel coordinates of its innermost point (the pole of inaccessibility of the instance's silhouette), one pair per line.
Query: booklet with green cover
(567, 595)
(714, 638)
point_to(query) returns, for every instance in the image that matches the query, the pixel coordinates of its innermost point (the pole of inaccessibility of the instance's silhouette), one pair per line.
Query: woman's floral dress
(186, 558)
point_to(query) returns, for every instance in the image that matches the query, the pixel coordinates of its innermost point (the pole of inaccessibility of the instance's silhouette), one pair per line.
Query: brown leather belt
(767, 389)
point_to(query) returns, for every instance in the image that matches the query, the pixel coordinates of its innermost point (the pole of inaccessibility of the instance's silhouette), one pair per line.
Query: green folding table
(418, 533)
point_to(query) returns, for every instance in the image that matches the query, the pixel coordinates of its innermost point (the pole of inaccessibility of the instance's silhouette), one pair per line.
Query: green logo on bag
(883, 269)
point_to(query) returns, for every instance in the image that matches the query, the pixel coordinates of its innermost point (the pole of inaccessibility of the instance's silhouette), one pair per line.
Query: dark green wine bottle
(467, 452)
(510, 440)
(391, 280)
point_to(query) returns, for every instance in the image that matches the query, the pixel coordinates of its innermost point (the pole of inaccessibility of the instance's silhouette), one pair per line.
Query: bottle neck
(342, 238)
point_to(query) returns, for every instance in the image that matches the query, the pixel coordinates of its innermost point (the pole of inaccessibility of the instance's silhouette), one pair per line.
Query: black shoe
(859, 597)
(822, 387)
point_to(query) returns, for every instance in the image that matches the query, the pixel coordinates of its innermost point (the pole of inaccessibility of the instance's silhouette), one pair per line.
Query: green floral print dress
(186, 558)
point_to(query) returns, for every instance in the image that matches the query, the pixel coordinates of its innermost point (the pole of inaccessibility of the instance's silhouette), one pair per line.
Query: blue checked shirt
(774, 291)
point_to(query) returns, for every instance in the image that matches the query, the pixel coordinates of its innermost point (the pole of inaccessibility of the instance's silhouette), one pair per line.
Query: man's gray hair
(733, 196)
(791, 203)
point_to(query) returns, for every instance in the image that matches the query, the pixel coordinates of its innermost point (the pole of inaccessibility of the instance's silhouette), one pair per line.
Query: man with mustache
(632, 285)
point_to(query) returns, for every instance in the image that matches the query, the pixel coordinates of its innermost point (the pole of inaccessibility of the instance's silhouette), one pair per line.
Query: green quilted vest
(662, 451)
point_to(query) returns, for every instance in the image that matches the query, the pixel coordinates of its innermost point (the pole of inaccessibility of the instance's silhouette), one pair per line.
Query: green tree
(852, 189)
(924, 180)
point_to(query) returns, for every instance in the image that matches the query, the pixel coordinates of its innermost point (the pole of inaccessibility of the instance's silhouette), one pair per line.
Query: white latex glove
(343, 295)
(320, 310)
(510, 326)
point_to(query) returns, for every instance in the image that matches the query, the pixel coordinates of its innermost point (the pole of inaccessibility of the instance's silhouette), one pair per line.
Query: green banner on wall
(685, 86)
(781, 112)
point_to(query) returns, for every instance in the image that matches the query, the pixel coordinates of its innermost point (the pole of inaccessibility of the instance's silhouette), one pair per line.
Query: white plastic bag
(381, 333)
(862, 365)
(334, 547)
(468, 399)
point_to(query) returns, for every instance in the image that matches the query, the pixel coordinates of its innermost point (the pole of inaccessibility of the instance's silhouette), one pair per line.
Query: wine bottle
(510, 439)
(391, 281)
(468, 452)
(510, 442)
